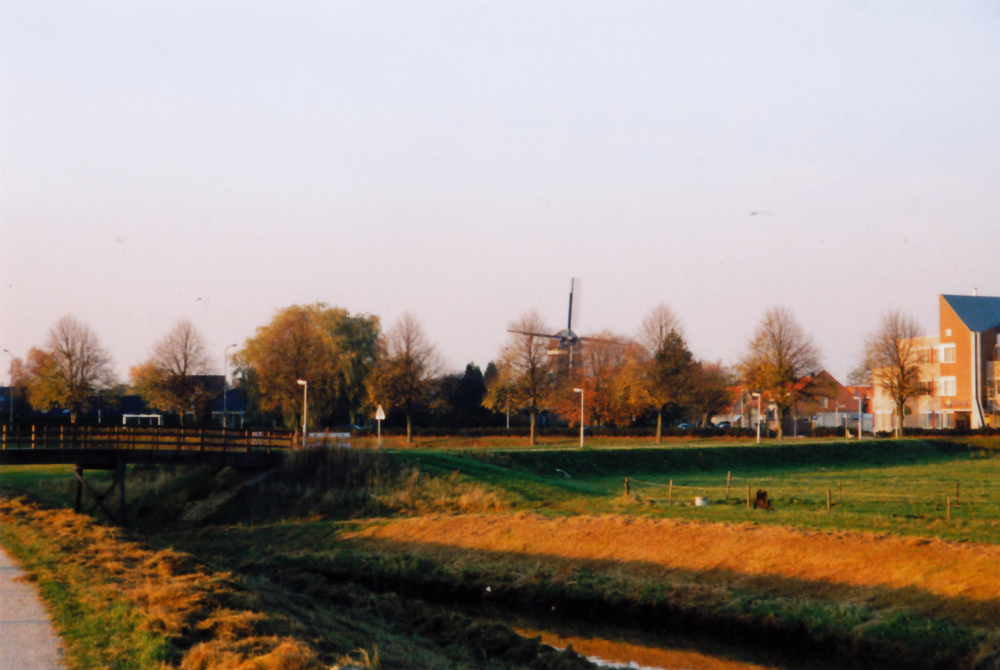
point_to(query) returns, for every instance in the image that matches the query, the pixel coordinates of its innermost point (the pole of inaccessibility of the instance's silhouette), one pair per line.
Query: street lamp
(859, 398)
(305, 396)
(225, 390)
(757, 396)
(11, 387)
(580, 391)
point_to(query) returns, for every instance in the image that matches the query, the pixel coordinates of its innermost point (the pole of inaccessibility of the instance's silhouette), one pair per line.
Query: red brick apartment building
(959, 368)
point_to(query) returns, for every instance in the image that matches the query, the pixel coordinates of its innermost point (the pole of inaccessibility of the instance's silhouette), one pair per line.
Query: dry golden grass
(935, 578)
(173, 595)
(421, 494)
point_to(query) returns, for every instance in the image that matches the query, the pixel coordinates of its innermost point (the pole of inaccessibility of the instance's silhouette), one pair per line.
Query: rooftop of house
(978, 313)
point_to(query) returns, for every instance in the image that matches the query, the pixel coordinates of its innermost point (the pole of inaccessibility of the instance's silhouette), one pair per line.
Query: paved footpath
(27, 639)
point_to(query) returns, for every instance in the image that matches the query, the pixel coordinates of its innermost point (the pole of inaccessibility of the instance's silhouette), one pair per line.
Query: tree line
(352, 365)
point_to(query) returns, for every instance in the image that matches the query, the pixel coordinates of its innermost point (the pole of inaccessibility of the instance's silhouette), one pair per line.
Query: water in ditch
(611, 647)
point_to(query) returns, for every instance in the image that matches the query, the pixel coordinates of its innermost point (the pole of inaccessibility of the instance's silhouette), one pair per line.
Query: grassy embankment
(653, 561)
(129, 600)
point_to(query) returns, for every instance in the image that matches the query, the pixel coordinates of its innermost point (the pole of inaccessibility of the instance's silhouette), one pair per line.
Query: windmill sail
(575, 291)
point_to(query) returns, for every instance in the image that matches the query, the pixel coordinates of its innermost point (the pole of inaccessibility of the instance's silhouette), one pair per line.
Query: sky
(218, 160)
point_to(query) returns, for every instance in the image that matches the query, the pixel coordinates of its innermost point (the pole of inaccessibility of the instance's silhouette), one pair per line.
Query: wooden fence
(145, 437)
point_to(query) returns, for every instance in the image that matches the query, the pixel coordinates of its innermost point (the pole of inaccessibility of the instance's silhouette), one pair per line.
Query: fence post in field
(828, 500)
(32, 436)
(948, 512)
(840, 491)
(748, 497)
(5, 437)
(246, 441)
(956, 491)
(728, 478)
(670, 493)
(201, 439)
(626, 485)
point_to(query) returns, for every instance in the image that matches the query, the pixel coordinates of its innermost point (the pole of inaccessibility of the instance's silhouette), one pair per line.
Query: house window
(948, 354)
(824, 402)
(945, 386)
(927, 420)
(991, 388)
(924, 356)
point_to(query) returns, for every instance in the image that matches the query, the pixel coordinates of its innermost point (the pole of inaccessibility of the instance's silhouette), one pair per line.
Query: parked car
(724, 424)
(684, 426)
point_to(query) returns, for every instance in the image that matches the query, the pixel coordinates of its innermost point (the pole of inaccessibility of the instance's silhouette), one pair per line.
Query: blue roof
(978, 313)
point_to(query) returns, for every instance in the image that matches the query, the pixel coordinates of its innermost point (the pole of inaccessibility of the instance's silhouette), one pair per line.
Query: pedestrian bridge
(116, 447)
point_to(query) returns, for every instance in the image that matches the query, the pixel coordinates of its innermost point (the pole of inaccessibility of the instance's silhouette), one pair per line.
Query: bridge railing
(145, 437)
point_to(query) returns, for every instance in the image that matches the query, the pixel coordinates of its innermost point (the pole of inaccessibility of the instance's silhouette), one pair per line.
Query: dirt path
(27, 639)
(935, 577)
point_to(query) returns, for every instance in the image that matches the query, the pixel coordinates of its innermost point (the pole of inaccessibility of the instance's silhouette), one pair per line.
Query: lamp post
(11, 387)
(580, 391)
(757, 396)
(225, 385)
(305, 396)
(859, 398)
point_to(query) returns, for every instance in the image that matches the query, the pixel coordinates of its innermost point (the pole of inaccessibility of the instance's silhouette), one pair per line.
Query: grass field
(884, 574)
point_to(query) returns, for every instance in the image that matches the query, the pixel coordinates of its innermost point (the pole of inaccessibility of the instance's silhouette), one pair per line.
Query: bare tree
(526, 361)
(664, 368)
(780, 353)
(892, 361)
(168, 380)
(407, 364)
(70, 370)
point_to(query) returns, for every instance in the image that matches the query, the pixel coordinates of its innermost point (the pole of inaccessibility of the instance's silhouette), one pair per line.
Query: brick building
(959, 369)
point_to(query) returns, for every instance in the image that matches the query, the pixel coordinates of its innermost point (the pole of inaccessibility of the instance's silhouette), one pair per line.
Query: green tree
(779, 354)
(357, 337)
(70, 370)
(407, 364)
(663, 368)
(169, 379)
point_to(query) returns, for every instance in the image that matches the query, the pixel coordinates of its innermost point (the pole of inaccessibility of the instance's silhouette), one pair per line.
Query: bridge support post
(78, 471)
(121, 493)
(118, 481)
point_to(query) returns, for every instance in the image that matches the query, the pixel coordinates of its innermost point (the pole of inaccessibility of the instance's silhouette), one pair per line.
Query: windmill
(566, 340)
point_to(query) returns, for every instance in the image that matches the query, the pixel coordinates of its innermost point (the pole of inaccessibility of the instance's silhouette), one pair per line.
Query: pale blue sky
(463, 160)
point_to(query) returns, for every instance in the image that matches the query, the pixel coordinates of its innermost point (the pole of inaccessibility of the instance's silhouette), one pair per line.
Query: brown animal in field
(762, 501)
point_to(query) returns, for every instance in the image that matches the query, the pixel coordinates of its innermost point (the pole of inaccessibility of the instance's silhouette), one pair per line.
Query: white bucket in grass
(700, 502)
